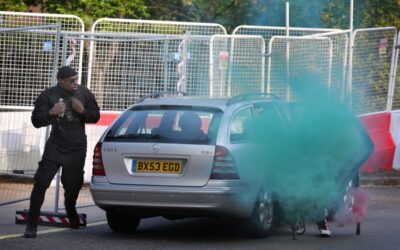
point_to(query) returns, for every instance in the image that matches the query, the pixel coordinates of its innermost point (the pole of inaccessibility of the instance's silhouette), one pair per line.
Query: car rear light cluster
(224, 166)
(98, 167)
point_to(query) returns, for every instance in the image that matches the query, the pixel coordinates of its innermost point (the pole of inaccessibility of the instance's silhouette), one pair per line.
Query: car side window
(239, 129)
(268, 116)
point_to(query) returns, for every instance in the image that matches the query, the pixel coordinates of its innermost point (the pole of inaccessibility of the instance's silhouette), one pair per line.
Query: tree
(13, 5)
(367, 13)
(90, 10)
(87, 10)
(228, 13)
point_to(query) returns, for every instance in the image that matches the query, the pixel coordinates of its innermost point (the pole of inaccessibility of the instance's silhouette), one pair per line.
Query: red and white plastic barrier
(384, 130)
(395, 131)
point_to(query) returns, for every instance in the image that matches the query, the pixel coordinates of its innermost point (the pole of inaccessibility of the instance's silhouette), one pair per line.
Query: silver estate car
(174, 156)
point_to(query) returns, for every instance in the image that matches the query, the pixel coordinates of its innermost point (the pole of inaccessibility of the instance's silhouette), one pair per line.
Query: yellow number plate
(153, 166)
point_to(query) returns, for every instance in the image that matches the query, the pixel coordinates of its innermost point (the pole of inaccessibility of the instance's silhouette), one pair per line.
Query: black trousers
(72, 162)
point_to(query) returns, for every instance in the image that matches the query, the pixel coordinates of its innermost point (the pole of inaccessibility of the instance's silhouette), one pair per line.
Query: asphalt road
(379, 230)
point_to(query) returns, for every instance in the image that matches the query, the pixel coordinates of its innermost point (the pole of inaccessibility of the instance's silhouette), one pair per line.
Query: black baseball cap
(65, 72)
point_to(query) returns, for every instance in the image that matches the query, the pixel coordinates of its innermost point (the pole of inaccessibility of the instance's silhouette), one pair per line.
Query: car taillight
(98, 168)
(224, 167)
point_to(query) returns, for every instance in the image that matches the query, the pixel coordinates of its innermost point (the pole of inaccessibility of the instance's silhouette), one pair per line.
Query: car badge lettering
(155, 148)
(110, 149)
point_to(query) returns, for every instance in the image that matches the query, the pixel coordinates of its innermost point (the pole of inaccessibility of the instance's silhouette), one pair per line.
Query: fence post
(393, 72)
(54, 83)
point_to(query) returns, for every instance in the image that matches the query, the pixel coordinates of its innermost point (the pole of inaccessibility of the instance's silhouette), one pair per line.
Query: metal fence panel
(340, 51)
(26, 60)
(121, 72)
(396, 75)
(372, 57)
(9, 19)
(236, 64)
(267, 32)
(156, 27)
(27, 56)
(21, 145)
(295, 57)
(69, 23)
(124, 69)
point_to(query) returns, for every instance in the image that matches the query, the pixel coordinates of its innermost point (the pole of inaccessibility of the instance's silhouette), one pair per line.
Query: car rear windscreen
(166, 124)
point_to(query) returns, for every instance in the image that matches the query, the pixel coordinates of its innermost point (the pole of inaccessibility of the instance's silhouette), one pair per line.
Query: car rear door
(155, 153)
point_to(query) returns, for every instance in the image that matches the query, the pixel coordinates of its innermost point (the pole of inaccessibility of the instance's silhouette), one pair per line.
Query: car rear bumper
(233, 198)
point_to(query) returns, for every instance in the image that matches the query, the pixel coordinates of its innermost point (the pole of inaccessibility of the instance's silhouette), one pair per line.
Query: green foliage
(336, 15)
(13, 5)
(303, 13)
(229, 13)
(381, 13)
(367, 13)
(88, 10)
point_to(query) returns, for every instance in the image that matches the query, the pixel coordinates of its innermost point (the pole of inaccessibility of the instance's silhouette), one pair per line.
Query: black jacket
(68, 131)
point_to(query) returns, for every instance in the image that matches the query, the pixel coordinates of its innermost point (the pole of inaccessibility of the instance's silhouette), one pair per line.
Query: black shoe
(74, 222)
(323, 229)
(30, 230)
(73, 218)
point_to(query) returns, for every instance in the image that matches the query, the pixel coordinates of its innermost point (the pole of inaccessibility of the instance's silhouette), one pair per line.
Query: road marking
(52, 230)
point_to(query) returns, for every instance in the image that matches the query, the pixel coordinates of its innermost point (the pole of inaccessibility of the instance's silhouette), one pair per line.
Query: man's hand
(58, 109)
(77, 106)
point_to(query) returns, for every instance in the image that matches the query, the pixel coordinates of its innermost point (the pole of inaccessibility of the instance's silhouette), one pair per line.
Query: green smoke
(308, 161)
(302, 13)
(306, 13)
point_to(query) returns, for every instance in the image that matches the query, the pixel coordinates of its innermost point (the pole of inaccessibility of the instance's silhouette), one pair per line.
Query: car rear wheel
(259, 224)
(121, 221)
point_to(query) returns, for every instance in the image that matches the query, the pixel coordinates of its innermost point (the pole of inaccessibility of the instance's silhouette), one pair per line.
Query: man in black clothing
(66, 107)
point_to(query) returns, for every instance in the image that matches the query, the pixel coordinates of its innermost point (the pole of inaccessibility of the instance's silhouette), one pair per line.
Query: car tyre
(122, 222)
(260, 223)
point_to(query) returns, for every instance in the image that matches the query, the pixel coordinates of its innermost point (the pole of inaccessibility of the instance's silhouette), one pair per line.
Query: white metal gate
(371, 65)
(158, 56)
(292, 58)
(395, 89)
(339, 68)
(236, 64)
(20, 143)
(69, 23)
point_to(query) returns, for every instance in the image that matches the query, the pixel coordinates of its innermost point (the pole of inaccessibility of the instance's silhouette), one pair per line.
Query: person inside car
(190, 125)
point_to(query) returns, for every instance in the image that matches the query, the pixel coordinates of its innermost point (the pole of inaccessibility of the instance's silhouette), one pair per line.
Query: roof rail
(161, 94)
(250, 96)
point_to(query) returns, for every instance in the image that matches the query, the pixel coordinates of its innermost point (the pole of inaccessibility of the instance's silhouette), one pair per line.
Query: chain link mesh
(372, 57)
(121, 72)
(294, 57)
(21, 144)
(27, 56)
(26, 67)
(237, 65)
(23, 19)
(339, 67)
(156, 27)
(396, 94)
(268, 32)
(27, 61)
